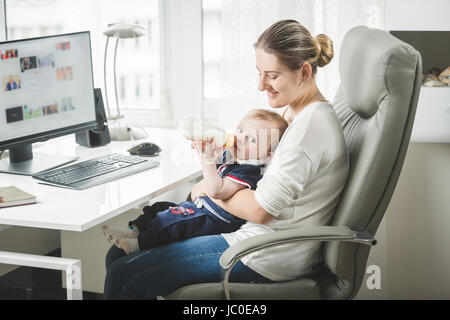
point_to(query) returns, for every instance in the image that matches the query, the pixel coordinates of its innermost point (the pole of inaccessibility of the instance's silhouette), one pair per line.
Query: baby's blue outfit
(202, 217)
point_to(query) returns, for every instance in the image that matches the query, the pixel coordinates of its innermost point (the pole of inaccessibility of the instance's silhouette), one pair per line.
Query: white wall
(418, 223)
(417, 14)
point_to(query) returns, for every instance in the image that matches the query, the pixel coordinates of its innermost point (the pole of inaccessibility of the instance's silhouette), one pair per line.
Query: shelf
(432, 121)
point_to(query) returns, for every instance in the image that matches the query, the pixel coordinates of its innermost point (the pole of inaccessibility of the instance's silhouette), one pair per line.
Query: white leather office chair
(376, 103)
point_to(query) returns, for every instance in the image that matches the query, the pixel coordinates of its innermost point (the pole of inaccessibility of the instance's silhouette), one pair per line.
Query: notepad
(12, 196)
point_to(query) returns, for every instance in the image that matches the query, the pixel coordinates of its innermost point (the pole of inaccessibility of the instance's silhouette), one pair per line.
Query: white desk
(64, 209)
(72, 210)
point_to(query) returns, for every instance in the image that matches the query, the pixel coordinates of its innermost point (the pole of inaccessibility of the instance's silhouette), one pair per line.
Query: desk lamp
(120, 31)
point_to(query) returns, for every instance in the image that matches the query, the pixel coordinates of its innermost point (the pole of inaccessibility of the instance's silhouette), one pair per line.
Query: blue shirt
(244, 174)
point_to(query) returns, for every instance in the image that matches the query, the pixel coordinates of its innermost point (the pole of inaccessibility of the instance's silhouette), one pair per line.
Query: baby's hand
(207, 151)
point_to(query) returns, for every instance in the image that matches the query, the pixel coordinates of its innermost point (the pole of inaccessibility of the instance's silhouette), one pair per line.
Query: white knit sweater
(301, 187)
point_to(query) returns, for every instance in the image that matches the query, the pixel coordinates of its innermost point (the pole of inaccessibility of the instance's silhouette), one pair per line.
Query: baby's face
(255, 139)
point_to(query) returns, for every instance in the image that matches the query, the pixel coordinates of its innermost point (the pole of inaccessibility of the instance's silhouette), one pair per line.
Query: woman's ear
(306, 71)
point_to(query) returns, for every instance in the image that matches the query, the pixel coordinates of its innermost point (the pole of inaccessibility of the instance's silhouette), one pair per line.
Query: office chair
(376, 104)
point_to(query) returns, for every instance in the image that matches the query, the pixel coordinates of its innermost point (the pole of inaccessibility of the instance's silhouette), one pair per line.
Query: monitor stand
(23, 161)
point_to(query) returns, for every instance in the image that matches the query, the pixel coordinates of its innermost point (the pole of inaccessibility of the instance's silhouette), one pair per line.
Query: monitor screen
(46, 87)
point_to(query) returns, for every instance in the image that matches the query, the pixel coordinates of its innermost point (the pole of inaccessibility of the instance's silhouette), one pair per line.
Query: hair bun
(326, 50)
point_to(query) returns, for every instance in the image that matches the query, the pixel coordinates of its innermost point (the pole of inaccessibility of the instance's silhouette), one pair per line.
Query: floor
(27, 283)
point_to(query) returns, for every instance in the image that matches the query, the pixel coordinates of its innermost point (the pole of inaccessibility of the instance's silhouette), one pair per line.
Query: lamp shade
(125, 30)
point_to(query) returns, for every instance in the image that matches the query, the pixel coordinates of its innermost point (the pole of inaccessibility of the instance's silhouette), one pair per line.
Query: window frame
(3, 20)
(182, 25)
(180, 32)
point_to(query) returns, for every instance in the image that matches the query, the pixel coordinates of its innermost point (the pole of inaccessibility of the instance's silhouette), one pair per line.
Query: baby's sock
(128, 245)
(115, 234)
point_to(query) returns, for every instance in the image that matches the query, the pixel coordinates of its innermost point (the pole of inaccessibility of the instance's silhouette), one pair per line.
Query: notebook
(13, 196)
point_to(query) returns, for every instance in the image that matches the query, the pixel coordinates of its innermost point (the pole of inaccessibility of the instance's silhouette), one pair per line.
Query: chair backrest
(376, 103)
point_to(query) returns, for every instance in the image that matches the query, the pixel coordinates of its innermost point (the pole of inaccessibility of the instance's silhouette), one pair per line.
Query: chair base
(301, 289)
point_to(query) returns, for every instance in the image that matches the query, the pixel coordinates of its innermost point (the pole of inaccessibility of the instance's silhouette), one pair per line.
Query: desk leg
(72, 267)
(73, 282)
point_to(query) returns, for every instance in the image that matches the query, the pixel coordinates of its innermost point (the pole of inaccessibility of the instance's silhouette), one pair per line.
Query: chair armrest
(319, 233)
(236, 252)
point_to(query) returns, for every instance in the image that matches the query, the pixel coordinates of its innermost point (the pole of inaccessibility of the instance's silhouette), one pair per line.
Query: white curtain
(244, 20)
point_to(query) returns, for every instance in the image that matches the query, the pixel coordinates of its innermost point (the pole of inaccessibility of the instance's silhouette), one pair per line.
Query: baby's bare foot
(128, 245)
(113, 234)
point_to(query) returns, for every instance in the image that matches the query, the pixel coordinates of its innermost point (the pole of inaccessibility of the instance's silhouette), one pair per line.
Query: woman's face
(281, 83)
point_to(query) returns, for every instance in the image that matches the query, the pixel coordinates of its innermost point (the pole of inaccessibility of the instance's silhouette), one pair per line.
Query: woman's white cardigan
(300, 187)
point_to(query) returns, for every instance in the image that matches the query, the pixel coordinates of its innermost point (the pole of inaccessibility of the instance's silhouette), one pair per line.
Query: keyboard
(90, 173)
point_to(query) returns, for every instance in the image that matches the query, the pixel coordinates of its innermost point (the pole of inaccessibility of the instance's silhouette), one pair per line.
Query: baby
(256, 138)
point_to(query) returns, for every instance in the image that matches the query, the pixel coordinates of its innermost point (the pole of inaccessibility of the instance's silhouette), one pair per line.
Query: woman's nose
(262, 83)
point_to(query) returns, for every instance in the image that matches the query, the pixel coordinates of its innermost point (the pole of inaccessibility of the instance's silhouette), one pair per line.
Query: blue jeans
(161, 270)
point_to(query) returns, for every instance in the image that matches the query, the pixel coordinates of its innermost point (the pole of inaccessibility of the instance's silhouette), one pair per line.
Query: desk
(70, 210)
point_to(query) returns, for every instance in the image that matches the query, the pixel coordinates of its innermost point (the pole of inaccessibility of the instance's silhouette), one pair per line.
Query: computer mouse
(146, 149)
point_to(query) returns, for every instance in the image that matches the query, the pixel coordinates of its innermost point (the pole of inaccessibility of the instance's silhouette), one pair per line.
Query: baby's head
(258, 134)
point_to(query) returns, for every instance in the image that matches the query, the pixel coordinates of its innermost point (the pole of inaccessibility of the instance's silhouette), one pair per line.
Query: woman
(301, 186)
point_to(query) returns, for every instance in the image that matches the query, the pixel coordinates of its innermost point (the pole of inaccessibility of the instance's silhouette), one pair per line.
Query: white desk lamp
(117, 130)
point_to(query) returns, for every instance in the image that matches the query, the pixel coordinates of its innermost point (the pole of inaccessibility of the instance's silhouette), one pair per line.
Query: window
(159, 76)
(138, 87)
(212, 48)
(150, 88)
(123, 95)
(136, 58)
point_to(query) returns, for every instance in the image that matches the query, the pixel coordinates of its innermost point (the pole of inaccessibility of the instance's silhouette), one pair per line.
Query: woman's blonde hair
(293, 44)
(268, 115)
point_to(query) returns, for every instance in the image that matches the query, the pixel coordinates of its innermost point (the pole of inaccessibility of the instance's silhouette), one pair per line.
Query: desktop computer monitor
(47, 91)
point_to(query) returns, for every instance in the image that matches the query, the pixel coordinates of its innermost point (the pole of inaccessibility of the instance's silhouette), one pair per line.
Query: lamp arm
(104, 76)
(115, 79)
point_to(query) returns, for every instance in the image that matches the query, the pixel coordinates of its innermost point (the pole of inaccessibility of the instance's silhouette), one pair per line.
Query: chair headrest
(364, 63)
